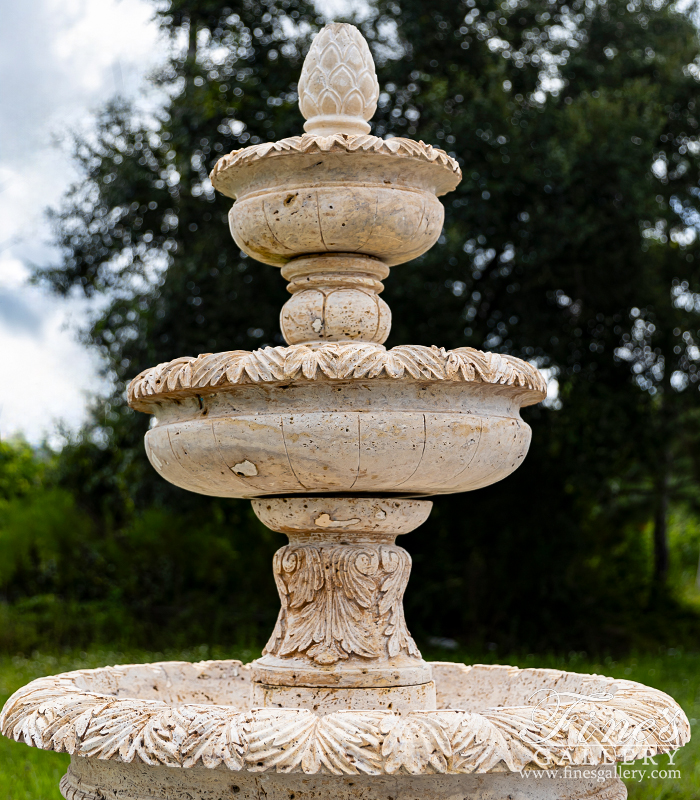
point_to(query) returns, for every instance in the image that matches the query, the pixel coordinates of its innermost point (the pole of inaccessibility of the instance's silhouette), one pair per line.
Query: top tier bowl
(336, 189)
(336, 194)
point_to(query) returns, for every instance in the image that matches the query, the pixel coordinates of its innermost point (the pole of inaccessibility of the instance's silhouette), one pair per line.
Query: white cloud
(60, 60)
(48, 374)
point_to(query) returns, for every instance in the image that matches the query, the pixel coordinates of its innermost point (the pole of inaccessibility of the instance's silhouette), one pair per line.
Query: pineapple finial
(338, 88)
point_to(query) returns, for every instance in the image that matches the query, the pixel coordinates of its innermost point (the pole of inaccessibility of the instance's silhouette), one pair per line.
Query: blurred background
(571, 242)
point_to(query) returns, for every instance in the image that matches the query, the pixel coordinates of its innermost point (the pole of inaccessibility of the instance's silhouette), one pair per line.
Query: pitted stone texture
(340, 600)
(88, 779)
(341, 582)
(333, 418)
(354, 672)
(356, 197)
(296, 205)
(341, 616)
(338, 270)
(335, 299)
(111, 715)
(338, 87)
(407, 438)
(356, 519)
(225, 180)
(335, 315)
(420, 697)
(210, 373)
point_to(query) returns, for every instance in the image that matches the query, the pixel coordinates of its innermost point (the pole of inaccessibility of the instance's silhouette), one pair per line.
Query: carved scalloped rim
(339, 142)
(54, 713)
(333, 361)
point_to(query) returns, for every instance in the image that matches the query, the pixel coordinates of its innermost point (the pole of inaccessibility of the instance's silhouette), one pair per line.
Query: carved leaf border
(311, 143)
(55, 714)
(333, 361)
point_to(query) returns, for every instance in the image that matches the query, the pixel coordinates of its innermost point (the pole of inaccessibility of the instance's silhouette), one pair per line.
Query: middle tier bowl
(384, 435)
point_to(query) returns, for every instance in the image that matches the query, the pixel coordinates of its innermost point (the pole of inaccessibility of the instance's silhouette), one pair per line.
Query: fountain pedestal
(339, 442)
(341, 639)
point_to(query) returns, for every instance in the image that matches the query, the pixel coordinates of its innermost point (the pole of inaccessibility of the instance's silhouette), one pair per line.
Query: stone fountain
(339, 442)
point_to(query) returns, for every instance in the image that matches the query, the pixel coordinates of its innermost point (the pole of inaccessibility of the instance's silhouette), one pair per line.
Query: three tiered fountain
(339, 442)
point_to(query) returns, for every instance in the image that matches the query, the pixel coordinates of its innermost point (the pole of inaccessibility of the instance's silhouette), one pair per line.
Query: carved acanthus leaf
(630, 722)
(397, 568)
(341, 600)
(332, 361)
(418, 742)
(479, 745)
(57, 713)
(212, 739)
(342, 743)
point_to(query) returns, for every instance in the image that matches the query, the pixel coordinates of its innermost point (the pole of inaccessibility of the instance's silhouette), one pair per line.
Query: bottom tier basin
(178, 730)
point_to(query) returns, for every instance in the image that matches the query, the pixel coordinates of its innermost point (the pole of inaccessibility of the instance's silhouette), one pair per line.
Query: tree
(556, 267)
(570, 242)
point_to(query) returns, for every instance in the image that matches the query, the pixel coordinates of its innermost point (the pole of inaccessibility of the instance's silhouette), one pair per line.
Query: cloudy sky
(59, 60)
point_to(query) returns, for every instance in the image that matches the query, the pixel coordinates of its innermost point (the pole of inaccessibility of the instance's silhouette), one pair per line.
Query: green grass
(29, 774)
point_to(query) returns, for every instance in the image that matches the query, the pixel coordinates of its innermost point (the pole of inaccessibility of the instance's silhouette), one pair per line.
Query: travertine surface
(324, 700)
(340, 600)
(342, 519)
(335, 413)
(361, 195)
(335, 298)
(114, 714)
(226, 175)
(409, 437)
(341, 581)
(348, 361)
(287, 210)
(87, 779)
(338, 87)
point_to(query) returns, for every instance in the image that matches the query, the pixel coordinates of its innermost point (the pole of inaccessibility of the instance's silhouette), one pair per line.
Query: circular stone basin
(338, 418)
(348, 194)
(181, 730)
(389, 437)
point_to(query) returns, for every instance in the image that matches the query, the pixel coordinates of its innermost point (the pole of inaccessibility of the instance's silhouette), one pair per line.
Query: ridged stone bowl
(415, 421)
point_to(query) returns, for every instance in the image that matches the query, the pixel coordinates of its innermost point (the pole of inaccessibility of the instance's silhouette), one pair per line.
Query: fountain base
(195, 732)
(90, 780)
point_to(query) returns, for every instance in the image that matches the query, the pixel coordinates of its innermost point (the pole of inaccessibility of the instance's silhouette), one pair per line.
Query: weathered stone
(89, 779)
(338, 87)
(193, 716)
(335, 299)
(406, 436)
(325, 700)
